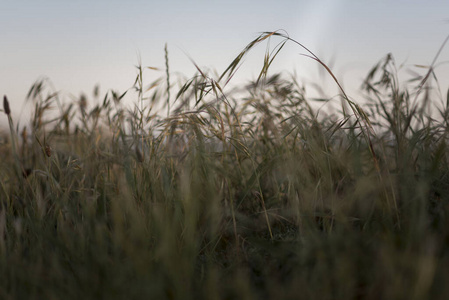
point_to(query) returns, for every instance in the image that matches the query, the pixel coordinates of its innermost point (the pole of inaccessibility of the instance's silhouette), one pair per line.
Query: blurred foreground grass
(247, 194)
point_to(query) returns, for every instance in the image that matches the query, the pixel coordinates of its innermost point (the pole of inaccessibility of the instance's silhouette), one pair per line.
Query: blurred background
(81, 44)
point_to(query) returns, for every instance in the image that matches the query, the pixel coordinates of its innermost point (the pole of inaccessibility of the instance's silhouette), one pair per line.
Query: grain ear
(6, 108)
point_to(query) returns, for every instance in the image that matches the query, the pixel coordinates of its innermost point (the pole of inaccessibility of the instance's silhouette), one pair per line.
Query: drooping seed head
(139, 155)
(48, 150)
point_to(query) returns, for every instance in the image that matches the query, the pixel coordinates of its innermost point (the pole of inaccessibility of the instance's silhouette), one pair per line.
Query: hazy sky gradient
(79, 44)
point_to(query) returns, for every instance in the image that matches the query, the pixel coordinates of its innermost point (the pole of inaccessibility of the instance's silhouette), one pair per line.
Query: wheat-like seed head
(6, 105)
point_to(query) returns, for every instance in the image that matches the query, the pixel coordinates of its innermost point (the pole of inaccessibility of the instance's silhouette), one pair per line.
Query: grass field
(201, 192)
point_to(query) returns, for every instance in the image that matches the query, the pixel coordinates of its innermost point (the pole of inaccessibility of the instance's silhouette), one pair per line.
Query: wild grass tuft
(237, 193)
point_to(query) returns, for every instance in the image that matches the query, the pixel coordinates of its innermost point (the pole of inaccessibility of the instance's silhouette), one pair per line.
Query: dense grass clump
(245, 194)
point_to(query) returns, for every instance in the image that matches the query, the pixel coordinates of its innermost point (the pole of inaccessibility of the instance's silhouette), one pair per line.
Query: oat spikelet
(48, 150)
(139, 155)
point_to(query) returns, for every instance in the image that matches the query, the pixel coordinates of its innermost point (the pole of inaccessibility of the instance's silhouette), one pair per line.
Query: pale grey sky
(79, 44)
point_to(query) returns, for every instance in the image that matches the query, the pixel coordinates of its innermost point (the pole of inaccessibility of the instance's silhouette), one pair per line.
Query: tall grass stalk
(13, 136)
